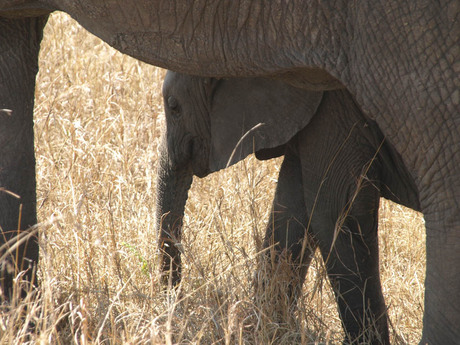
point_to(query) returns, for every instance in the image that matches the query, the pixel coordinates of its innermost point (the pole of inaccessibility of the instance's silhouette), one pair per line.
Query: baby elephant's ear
(274, 152)
(251, 114)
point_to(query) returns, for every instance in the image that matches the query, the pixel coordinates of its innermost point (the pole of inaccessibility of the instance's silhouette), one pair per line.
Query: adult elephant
(337, 165)
(397, 58)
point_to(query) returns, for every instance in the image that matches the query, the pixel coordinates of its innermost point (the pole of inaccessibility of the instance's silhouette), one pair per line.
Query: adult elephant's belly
(313, 79)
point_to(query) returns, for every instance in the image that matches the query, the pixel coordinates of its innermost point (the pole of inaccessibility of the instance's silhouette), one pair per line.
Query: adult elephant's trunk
(173, 183)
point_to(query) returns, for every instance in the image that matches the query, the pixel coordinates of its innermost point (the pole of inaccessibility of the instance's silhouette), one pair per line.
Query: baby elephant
(336, 166)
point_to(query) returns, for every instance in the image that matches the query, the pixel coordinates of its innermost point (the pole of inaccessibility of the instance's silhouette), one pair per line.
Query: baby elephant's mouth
(200, 157)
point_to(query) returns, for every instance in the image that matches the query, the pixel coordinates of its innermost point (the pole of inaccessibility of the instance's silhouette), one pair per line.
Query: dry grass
(98, 121)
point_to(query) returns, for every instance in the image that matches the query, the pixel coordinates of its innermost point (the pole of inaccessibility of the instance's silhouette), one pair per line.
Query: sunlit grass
(98, 118)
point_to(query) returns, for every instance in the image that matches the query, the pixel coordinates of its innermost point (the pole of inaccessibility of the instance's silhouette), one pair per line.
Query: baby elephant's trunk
(172, 191)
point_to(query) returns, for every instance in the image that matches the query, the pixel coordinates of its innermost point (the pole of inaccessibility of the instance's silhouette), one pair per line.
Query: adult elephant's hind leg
(289, 248)
(438, 181)
(19, 48)
(442, 285)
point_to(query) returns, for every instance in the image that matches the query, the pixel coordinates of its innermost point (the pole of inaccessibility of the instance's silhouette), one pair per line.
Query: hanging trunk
(173, 184)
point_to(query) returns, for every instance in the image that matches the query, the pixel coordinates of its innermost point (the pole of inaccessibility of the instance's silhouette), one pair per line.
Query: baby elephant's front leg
(288, 246)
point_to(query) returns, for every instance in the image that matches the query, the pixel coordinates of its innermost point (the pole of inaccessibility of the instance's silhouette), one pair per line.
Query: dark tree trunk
(19, 48)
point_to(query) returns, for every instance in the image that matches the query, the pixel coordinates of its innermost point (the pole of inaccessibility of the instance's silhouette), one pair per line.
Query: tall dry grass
(97, 126)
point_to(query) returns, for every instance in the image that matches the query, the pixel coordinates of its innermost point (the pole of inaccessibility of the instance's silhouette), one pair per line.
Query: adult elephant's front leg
(19, 48)
(290, 248)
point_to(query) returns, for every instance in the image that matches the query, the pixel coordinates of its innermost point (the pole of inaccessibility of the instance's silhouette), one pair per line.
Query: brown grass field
(98, 119)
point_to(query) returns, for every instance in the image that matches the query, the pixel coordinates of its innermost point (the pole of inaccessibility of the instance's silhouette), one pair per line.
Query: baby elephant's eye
(172, 103)
(173, 106)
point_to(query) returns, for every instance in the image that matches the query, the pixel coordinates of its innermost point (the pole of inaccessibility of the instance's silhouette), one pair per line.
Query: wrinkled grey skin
(397, 58)
(323, 177)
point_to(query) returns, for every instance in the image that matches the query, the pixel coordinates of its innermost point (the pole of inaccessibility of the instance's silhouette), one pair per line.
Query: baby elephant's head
(187, 103)
(213, 123)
